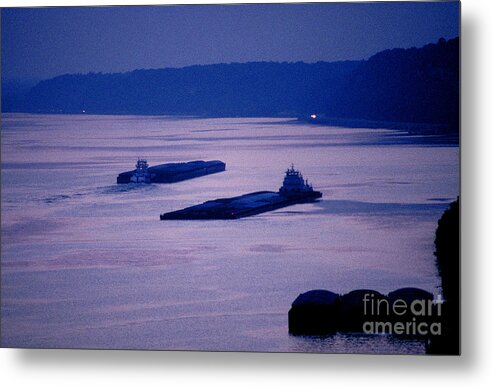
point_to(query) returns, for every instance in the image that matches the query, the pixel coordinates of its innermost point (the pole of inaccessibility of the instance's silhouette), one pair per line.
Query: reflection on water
(87, 263)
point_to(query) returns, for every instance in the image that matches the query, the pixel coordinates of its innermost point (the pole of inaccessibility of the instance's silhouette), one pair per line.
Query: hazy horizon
(41, 43)
(35, 79)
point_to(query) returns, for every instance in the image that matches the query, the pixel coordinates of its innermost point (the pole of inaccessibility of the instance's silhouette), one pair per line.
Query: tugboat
(141, 173)
(294, 185)
(293, 191)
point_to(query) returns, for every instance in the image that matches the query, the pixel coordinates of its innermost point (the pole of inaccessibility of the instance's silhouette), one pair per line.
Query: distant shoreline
(427, 130)
(409, 133)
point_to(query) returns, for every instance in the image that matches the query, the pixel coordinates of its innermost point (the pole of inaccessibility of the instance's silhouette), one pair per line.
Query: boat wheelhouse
(141, 173)
(294, 184)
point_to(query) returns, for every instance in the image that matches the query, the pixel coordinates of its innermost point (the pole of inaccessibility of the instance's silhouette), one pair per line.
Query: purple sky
(45, 42)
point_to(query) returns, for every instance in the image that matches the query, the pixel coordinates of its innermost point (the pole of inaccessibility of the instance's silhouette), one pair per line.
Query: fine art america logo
(419, 317)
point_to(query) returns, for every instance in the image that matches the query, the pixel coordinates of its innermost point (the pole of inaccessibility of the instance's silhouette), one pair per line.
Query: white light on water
(313, 116)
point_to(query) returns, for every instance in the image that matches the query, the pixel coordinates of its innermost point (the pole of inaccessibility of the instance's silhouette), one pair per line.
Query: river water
(86, 263)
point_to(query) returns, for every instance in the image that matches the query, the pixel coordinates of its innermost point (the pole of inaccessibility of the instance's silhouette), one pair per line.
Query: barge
(169, 173)
(294, 190)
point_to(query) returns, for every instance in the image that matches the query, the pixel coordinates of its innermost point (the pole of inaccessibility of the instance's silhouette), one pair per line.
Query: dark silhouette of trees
(247, 89)
(416, 86)
(447, 254)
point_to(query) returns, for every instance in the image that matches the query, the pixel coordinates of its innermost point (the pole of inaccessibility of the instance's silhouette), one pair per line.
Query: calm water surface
(87, 263)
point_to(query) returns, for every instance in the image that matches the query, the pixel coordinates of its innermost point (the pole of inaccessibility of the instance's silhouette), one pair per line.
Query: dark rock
(316, 312)
(407, 313)
(353, 312)
(407, 296)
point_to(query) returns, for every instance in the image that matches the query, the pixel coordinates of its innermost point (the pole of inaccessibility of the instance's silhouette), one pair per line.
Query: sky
(45, 42)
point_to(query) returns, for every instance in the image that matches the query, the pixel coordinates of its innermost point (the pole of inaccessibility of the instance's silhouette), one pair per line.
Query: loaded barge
(294, 190)
(169, 173)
